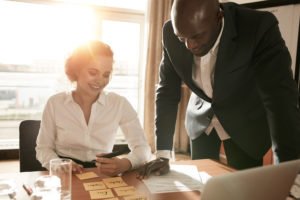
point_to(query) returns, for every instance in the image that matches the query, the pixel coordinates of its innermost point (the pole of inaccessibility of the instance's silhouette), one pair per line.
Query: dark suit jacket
(254, 95)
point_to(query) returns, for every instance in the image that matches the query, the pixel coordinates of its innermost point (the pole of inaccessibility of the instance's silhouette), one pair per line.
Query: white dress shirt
(203, 77)
(65, 132)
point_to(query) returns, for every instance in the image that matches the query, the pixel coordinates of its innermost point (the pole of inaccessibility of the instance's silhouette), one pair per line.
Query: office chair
(28, 131)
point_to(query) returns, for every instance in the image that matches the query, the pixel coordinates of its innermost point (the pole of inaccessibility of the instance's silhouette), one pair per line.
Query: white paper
(295, 190)
(204, 177)
(180, 178)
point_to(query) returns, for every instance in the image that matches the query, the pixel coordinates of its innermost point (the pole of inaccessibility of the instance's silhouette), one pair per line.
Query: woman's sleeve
(135, 136)
(45, 149)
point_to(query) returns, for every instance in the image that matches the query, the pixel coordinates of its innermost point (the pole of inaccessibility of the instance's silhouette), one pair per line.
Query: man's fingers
(164, 170)
(158, 166)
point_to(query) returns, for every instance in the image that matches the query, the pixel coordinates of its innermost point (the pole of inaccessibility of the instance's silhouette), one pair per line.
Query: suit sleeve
(167, 97)
(277, 89)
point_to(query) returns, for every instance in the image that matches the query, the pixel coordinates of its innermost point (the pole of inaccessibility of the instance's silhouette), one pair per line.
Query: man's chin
(199, 53)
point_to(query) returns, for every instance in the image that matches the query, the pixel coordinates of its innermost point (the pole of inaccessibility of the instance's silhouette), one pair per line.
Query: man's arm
(277, 89)
(167, 98)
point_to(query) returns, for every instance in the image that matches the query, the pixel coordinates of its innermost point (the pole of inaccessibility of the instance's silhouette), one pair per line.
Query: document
(180, 178)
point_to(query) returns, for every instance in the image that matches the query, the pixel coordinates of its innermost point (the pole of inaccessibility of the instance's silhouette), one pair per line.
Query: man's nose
(190, 44)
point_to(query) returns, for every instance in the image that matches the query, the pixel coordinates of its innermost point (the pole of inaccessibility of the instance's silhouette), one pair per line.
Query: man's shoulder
(168, 25)
(242, 13)
(248, 21)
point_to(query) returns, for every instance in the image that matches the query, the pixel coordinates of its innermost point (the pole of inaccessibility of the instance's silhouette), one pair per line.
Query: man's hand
(158, 166)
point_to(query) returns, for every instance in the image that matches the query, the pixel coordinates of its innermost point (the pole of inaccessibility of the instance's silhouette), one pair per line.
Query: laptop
(272, 182)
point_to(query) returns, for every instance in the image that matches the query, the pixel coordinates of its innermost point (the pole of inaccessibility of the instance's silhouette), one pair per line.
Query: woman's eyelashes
(106, 74)
(93, 72)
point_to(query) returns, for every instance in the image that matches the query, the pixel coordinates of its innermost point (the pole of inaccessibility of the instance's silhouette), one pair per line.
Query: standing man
(238, 68)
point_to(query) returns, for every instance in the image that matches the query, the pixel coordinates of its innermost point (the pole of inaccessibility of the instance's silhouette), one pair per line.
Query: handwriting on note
(97, 185)
(101, 194)
(87, 175)
(114, 182)
(135, 197)
(125, 191)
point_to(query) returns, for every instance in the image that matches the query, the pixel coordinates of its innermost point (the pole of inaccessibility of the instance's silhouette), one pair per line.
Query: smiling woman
(36, 38)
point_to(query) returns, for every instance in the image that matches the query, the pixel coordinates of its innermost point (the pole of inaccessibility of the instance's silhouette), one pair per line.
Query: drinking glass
(62, 168)
(7, 188)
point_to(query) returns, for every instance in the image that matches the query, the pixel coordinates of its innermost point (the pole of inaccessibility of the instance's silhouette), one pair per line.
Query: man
(236, 63)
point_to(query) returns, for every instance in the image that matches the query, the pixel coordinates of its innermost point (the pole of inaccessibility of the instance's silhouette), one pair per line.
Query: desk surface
(78, 193)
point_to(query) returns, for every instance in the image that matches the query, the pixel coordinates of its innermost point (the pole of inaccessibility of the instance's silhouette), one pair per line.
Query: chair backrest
(28, 131)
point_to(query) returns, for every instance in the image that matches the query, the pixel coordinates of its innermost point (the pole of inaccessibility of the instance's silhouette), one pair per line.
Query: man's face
(198, 33)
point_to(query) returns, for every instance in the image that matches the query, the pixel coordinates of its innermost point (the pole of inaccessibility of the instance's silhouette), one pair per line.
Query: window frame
(103, 13)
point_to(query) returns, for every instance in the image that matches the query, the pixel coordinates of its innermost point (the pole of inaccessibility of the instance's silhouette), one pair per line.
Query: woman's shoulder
(115, 98)
(60, 96)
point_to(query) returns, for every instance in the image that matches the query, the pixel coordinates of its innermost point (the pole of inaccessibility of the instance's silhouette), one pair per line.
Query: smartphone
(114, 154)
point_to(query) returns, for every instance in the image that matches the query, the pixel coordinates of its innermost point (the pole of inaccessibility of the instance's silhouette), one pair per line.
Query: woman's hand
(112, 166)
(76, 168)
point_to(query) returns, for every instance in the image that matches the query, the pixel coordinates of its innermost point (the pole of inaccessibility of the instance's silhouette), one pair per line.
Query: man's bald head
(191, 17)
(193, 10)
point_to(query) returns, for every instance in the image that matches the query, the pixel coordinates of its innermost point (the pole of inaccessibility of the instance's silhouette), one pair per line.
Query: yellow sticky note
(114, 182)
(87, 175)
(97, 185)
(101, 194)
(125, 191)
(135, 197)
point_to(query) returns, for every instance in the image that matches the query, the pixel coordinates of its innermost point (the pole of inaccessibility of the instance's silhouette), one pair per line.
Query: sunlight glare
(42, 31)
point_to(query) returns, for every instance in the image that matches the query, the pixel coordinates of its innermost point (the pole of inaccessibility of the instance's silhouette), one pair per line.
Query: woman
(83, 123)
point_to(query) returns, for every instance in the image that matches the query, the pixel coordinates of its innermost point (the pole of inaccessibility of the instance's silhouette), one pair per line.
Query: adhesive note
(125, 191)
(101, 194)
(97, 185)
(135, 197)
(87, 175)
(114, 182)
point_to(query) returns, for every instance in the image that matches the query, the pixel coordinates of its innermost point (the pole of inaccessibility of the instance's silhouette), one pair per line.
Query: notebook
(272, 182)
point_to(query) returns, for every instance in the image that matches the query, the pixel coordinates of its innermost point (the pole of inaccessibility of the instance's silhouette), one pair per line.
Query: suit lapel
(183, 62)
(225, 55)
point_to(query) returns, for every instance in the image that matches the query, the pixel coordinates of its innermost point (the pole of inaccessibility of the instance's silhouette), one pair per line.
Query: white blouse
(65, 132)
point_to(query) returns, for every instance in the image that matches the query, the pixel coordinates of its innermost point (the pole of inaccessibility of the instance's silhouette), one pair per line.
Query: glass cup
(46, 187)
(62, 168)
(7, 188)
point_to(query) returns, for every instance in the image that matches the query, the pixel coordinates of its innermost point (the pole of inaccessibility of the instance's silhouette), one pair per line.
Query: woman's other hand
(112, 166)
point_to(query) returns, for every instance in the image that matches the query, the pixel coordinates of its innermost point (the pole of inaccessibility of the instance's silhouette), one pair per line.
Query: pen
(27, 189)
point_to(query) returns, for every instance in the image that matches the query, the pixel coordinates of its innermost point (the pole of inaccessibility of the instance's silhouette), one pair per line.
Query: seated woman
(83, 123)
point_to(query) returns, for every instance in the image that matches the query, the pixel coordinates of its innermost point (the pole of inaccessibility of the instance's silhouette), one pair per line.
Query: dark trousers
(208, 146)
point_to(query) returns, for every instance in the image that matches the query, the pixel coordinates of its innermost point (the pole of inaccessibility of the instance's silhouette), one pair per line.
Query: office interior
(33, 48)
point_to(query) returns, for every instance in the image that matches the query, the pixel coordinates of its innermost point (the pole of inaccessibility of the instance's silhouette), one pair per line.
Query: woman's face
(93, 77)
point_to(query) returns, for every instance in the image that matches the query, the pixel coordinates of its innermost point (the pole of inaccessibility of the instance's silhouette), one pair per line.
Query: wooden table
(78, 193)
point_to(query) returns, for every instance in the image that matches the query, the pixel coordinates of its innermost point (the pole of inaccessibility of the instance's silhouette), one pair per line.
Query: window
(36, 38)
